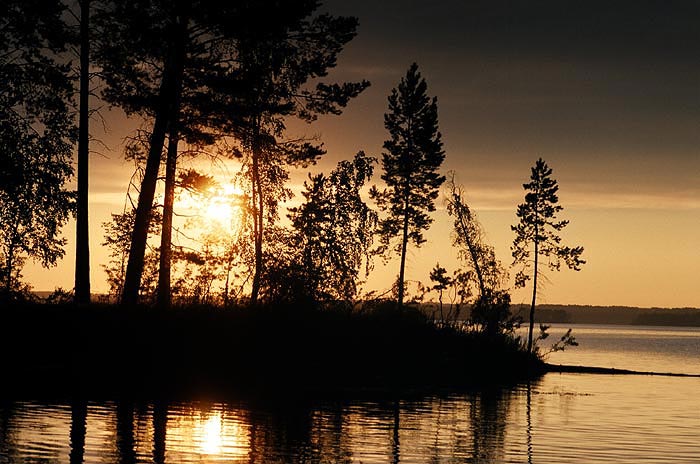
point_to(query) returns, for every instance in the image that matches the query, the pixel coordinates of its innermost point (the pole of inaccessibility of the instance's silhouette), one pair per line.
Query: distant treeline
(579, 314)
(563, 314)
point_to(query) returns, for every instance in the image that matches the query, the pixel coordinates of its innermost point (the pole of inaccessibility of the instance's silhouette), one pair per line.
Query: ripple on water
(572, 418)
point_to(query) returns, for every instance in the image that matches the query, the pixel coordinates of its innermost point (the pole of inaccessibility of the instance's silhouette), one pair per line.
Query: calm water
(567, 418)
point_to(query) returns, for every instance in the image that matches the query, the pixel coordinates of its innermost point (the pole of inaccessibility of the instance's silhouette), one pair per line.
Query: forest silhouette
(207, 78)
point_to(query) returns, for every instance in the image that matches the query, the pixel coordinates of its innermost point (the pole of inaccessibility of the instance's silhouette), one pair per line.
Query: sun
(223, 205)
(218, 210)
(220, 207)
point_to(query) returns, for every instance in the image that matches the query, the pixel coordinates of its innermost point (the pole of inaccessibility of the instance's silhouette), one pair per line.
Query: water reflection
(78, 425)
(395, 443)
(341, 432)
(125, 433)
(528, 421)
(5, 412)
(520, 424)
(160, 425)
(488, 414)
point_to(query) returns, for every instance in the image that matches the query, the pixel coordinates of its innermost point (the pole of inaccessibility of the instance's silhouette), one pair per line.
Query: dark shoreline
(569, 369)
(108, 351)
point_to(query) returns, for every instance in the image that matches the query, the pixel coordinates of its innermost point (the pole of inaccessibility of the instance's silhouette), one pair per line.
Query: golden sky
(606, 93)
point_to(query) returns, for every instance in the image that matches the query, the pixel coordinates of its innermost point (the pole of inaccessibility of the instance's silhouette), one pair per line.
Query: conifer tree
(410, 162)
(536, 234)
(184, 65)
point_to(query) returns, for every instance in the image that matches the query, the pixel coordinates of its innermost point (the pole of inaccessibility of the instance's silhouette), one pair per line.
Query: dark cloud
(606, 89)
(612, 28)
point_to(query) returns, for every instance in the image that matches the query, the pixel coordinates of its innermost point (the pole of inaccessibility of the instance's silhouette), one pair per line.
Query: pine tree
(137, 35)
(536, 234)
(411, 161)
(185, 65)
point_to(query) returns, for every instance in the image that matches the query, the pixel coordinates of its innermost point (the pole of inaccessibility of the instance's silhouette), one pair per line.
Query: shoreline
(112, 351)
(574, 369)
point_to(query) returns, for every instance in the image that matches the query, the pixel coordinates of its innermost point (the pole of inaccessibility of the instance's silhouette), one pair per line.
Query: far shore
(563, 314)
(613, 315)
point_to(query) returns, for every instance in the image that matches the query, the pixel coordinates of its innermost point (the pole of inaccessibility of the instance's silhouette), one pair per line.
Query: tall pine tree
(411, 161)
(536, 234)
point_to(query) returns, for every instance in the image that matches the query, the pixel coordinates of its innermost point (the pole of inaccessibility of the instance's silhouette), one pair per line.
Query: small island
(249, 300)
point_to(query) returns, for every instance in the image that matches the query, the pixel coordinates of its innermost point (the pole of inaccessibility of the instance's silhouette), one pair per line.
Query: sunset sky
(608, 93)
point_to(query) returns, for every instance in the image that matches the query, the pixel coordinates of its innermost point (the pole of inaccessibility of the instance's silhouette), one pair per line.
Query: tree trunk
(534, 295)
(461, 211)
(78, 425)
(164, 296)
(395, 444)
(160, 427)
(404, 244)
(170, 88)
(258, 215)
(82, 245)
(407, 193)
(9, 262)
(226, 284)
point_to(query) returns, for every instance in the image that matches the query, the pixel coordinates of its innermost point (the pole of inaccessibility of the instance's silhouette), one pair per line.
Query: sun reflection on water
(215, 434)
(211, 435)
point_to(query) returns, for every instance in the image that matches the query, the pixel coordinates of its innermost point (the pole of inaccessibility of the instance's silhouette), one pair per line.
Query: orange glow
(220, 207)
(219, 211)
(211, 440)
(210, 434)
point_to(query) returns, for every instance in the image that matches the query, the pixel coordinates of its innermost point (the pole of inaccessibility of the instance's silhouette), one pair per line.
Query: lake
(572, 418)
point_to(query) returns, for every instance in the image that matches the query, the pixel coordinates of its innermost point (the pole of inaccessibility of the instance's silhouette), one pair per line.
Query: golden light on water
(211, 435)
(223, 437)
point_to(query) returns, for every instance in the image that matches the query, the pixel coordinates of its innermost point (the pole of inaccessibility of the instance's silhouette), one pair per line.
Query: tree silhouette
(468, 238)
(184, 64)
(333, 230)
(536, 234)
(275, 73)
(36, 136)
(411, 161)
(131, 31)
(153, 55)
(82, 242)
(442, 282)
(484, 270)
(117, 238)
